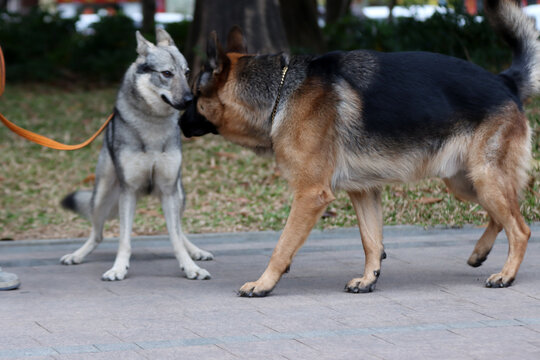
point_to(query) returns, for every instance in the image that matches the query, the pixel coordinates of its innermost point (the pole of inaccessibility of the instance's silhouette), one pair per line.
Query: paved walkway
(428, 303)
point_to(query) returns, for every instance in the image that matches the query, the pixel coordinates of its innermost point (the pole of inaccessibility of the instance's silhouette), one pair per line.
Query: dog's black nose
(187, 99)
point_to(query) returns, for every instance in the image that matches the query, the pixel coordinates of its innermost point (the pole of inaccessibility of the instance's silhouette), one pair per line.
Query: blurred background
(65, 60)
(92, 40)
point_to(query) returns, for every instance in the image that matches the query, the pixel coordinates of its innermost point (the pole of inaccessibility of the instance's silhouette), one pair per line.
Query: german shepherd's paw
(254, 289)
(201, 255)
(115, 274)
(71, 259)
(197, 274)
(364, 284)
(476, 260)
(499, 281)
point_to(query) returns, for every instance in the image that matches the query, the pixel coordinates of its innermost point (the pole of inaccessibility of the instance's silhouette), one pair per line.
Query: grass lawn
(228, 188)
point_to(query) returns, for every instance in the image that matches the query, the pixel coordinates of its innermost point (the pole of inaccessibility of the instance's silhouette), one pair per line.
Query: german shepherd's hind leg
(503, 204)
(484, 244)
(171, 210)
(461, 186)
(498, 162)
(307, 207)
(370, 221)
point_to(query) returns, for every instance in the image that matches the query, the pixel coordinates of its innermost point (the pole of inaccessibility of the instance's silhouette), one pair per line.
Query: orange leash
(36, 138)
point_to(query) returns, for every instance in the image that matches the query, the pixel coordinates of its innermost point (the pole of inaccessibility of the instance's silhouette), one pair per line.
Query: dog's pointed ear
(236, 42)
(212, 50)
(143, 45)
(163, 38)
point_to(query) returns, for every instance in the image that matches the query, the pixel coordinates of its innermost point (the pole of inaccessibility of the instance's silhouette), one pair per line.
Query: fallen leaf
(150, 212)
(89, 179)
(428, 200)
(226, 155)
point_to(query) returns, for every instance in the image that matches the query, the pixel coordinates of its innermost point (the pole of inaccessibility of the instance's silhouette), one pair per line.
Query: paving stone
(427, 304)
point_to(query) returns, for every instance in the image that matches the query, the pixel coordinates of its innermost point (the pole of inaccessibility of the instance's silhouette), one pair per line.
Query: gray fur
(519, 31)
(141, 155)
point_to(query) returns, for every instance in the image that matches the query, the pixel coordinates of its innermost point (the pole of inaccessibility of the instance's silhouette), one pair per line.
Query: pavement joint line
(243, 339)
(308, 248)
(389, 231)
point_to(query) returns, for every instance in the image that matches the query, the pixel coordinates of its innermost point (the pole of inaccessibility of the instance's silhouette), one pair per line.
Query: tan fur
(498, 163)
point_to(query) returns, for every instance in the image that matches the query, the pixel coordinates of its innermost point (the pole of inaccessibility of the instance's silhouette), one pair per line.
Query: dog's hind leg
(194, 252)
(498, 162)
(370, 221)
(484, 244)
(171, 210)
(502, 202)
(104, 199)
(463, 189)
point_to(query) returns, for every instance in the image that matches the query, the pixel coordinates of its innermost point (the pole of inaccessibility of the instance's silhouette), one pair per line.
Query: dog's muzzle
(181, 105)
(194, 124)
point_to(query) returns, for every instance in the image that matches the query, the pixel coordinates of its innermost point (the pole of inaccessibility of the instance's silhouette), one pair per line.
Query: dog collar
(274, 110)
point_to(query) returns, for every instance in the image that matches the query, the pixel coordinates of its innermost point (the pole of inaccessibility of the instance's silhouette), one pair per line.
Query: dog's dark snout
(187, 99)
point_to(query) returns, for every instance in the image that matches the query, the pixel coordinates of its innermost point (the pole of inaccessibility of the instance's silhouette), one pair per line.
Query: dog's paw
(362, 285)
(475, 260)
(115, 274)
(254, 289)
(71, 259)
(202, 255)
(197, 274)
(499, 281)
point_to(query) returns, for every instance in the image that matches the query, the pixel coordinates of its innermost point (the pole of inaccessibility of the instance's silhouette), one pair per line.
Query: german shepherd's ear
(215, 55)
(211, 50)
(236, 42)
(143, 45)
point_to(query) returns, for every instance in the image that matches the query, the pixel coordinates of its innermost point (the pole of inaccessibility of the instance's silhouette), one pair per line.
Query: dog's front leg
(126, 211)
(307, 207)
(370, 221)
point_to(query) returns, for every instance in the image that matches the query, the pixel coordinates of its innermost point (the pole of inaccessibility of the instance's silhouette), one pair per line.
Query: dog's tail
(519, 31)
(79, 202)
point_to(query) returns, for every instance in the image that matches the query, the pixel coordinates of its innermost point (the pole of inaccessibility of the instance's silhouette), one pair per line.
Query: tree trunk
(3, 5)
(148, 23)
(27, 6)
(300, 18)
(393, 3)
(260, 21)
(336, 9)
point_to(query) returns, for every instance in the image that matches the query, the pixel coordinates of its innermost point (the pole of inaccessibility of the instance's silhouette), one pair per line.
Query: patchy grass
(228, 188)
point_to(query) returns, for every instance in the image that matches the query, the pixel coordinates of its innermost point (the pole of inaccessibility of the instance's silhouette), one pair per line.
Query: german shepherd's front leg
(370, 221)
(307, 207)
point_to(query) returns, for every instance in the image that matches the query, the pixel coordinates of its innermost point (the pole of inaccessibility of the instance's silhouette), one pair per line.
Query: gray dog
(142, 155)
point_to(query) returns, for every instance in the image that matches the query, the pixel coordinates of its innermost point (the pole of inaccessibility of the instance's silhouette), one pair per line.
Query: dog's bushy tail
(519, 31)
(79, 202)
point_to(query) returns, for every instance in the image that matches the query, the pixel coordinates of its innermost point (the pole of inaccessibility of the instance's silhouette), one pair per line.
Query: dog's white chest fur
(155, 164)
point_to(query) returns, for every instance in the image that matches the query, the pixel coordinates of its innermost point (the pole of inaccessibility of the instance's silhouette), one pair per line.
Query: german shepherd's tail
(79, 202)
(519, 31)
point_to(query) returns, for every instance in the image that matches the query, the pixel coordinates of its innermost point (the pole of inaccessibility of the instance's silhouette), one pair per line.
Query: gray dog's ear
(163, 38)
(143, 45)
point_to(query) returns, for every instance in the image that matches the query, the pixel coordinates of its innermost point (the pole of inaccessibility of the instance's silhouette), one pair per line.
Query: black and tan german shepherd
(357, 120)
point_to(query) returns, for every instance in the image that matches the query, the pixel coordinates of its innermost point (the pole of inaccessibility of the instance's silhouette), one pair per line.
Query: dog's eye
(187, 72)
(167, 74)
